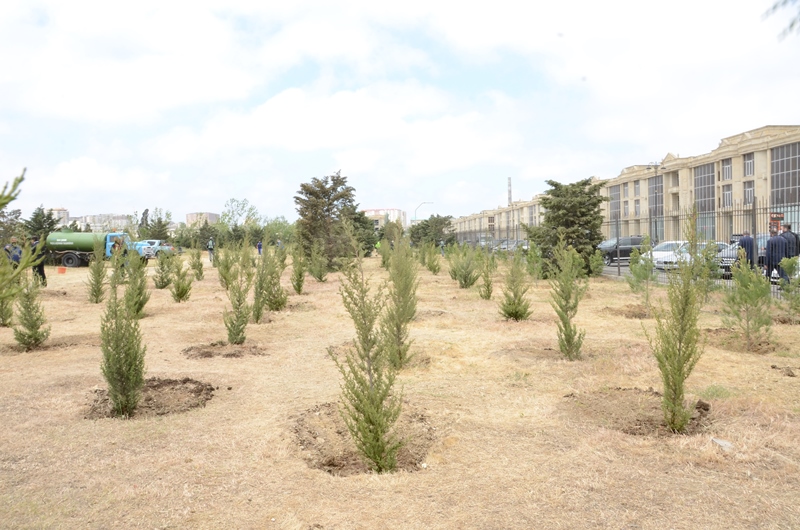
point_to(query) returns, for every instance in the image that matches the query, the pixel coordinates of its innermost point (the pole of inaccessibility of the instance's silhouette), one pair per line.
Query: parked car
(665, 248)
(626, 244)
(728, 256)
(160, 246)
(672, 260)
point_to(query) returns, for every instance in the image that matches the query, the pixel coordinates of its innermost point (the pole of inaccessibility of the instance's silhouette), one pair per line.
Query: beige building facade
(758, 169)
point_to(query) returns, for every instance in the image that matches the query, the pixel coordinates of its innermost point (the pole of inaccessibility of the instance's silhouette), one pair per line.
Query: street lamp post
(417, 208)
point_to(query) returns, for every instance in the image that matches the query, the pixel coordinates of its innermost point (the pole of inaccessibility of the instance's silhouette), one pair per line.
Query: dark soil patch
(159, 397)
(632, 411)
(783, 319)
(632, 311)
(788, 371)
(221, 349)
(53, 293)
(300, 307)
(730, 340)
(326, 443)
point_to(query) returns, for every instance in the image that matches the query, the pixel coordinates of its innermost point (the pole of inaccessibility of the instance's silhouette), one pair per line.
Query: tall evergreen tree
(31, 331)
(435, 229)
(572, 213)
(402, 306)
(322, 205)
(40, 223)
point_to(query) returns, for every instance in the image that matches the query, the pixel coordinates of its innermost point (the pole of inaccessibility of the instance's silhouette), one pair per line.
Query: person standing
(748, 245)
(258, 246)
(792, 241)
(14, 252)
(38, 250)
(776, 251)
(210, 247)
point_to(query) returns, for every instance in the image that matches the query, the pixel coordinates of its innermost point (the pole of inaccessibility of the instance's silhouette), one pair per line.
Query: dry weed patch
(222, 349)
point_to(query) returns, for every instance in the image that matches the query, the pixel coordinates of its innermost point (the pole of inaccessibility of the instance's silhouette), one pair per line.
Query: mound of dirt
(221, 349)
(326, 443)
(632, 311)
(159, 397)
(730, 340)
(632, 411)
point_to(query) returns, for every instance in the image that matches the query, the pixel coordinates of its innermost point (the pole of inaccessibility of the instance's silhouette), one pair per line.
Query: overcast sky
(115, 107)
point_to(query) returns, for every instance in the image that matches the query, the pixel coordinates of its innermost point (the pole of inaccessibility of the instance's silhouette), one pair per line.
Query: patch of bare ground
(222, 349)
(786, 320)
(788, 371)
(632, 311)
(158, 398)
(728, 339)
(632, 411)
(326, 444)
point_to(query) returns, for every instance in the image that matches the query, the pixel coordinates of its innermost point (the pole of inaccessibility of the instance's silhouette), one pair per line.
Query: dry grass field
(505, 433)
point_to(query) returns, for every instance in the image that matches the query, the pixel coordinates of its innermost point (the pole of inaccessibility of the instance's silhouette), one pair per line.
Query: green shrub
(369, 407)
(642, 272)
(240, 279)
(596, 263)
(402, 304)
(568, 288)
(136, 294)
(31, 331)
(123, 356)
(96, 284)
(534, 261)
(181, 287)
(432, 262)
(464, 265)
(318, 263)
(196, 263)
(488, 266)
(514, 305)
(790, 291)
(164, 271)
(298, 269)
(747, 304)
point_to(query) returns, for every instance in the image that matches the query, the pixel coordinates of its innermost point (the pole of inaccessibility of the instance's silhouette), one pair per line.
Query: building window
(727, 169)
(749, 165)
(613, 206)
(749, 192)
(637, 209)
(727, 195)
(635, 188)
(705, 200)
(625, 209)
(655, 205)
(625, 191)
(675, 181)
(785, 174)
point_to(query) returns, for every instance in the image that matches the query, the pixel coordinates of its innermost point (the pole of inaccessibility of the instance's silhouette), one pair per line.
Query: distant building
(62, 214)
(200, 217)
(381, 216)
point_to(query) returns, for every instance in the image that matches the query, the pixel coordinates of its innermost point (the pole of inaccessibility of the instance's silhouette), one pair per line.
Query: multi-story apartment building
(381, 216)
(62, 214)
(198, 218)
(755, 168)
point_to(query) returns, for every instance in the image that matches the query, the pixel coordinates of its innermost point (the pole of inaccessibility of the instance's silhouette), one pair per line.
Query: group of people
(14, 254)
(780, 245)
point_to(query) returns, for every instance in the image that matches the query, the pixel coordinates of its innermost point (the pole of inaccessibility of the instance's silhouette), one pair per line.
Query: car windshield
(666, 246)
(608, 243)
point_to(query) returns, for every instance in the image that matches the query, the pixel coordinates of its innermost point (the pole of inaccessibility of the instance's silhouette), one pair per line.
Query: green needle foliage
(298, 269)
(747, 304)
(123, 355)
(514, 305)
(136, 294)
(196, 263)
(164, 271)
(402, 305)
(432, 262)
(676, 343)
(790, 291)
(369, 408)
(385, 250)
(465, 265)
(240, 279)
(7, 299)
(488, 266)
(268, 292)
(226, 259)
(96, 284)
(596, 263)
(31, 331)
(568, 287)
(318, 263)
(642, 272)
(10, 277)
(534, 261)
(181, 287)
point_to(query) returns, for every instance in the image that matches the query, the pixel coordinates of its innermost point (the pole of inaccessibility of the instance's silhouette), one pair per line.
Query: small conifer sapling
(31, 330)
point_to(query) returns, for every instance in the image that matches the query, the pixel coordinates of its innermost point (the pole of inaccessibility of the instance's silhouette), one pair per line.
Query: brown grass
(510, 445)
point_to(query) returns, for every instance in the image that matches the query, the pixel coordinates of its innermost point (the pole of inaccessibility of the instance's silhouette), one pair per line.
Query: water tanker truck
(74, 249)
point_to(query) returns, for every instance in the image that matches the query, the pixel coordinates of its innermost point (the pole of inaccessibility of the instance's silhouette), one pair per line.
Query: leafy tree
(568, 288)
(433, 230)
(123, 355)
(676, 343)
(322, 205)
(41, 223)
(31, 331)
(369, 406)
(402, 304)
(239, 212)
(746, 305)
(276, 229)
(572, 213)
(514, 305)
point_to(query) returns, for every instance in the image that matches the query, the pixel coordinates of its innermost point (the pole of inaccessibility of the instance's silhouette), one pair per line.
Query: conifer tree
(369, 406)
(385, 250)
(534, 261)
(676, 342)
(432, 262)
(181, 287)
(790, 291)
(9, 296)
(96, 284)
(642, 272)
(240, 279)
(489, 265)
(402, 304)
(196, 263)
(31, 331)
(568, 289)
(275, 296)
(318, 263)
(226, 259)
(123, 355)
(298, 269)
(514, 305)
(464, 265)
(596, 263)
(136, 294)
(747, 304)
(164, 271)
